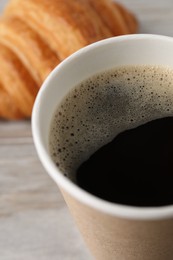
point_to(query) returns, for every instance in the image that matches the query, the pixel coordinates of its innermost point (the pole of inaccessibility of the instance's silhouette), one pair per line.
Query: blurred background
(35, 223)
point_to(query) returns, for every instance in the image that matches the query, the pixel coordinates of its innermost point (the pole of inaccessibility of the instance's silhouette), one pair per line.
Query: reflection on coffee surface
(112, 135)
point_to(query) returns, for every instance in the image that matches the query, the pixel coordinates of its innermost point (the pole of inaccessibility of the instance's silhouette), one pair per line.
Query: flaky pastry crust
(36, 35)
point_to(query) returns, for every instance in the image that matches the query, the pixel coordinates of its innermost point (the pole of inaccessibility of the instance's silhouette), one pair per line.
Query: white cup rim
(113, 209)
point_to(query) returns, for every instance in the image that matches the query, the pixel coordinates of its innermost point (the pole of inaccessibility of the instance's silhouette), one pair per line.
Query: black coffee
(106, 106)
(136, 168)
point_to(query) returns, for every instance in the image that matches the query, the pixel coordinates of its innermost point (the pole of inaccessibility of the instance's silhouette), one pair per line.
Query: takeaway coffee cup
(111, 231)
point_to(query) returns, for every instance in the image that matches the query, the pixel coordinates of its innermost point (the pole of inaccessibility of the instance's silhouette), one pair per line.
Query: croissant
(36, 35)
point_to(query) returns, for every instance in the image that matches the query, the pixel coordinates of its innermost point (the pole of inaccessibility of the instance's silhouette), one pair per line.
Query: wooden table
(35, 223)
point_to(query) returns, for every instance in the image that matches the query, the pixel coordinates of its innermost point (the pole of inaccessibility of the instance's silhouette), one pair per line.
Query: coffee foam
(101, 107)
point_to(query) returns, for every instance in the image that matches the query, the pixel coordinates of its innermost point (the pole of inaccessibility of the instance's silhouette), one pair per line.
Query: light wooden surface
(35, 223)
